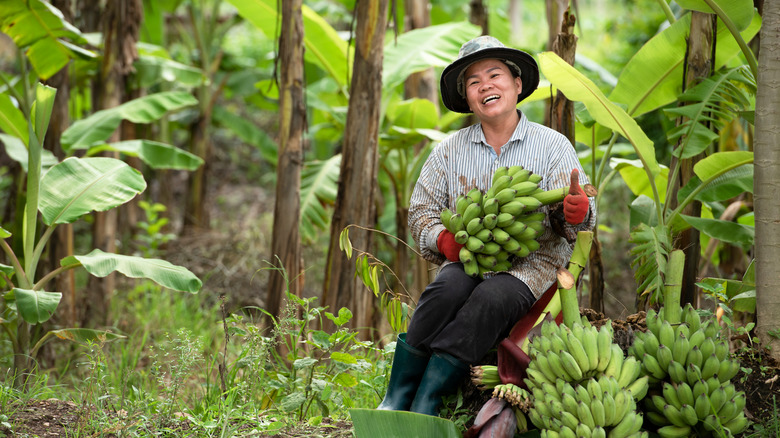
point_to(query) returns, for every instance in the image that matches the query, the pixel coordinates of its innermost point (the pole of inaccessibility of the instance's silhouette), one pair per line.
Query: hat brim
(449, 77)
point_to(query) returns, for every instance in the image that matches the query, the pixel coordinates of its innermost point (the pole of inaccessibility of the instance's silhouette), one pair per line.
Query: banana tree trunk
(767, 181)
(121, 22)
(698, 66)
(286, 240)
(359, 163)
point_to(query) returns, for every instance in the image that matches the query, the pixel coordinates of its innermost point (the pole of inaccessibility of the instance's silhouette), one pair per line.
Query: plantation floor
(760, 379)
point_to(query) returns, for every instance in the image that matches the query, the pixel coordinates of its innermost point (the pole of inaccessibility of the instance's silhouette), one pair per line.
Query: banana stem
(672, 287)
(556, 195)
(569, 304)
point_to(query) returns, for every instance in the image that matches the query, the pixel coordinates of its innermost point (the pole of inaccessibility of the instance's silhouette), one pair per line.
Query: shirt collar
(478, 136)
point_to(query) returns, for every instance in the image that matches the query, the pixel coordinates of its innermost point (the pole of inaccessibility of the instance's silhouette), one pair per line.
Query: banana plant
(719, 174)
(66, 192)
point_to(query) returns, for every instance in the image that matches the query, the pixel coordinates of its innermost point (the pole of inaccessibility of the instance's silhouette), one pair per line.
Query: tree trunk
(478, 15)
(422, 85)
(698, 67)
(286, 240)
(516, 22)
(355, 199)
(120, 27)
(767, 181)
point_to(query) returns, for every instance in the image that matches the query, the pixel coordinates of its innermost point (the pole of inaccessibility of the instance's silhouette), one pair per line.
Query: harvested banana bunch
(501, 223)
(582, 385)
(690, 369)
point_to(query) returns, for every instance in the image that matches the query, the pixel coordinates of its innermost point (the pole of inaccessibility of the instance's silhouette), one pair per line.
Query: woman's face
(491, 90)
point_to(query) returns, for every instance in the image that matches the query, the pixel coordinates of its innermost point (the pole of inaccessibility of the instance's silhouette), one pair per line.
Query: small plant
(173, 366)
(151, 237)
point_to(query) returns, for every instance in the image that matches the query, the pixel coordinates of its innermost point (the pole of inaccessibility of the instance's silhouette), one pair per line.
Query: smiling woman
(460, 316)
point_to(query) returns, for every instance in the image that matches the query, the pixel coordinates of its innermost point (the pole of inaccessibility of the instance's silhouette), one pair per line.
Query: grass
(180, 359)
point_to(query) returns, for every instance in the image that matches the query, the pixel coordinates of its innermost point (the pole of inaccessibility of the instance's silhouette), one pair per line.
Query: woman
(459, 318)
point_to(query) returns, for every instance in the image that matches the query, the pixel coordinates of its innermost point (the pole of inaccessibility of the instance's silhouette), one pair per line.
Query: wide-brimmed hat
(486, 47)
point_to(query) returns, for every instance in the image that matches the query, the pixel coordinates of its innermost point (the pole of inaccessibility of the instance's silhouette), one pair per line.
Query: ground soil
(759, 379)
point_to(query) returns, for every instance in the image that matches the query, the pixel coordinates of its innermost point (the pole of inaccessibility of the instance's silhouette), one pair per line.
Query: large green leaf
(77, 186)
(577, 87)
(154, 66)
(99, 126)
(721, 162)
(652, 78)
(155, 154)
(413, 114)
(739, 11)
(324, 47)
(419, 49)
(636, 179)
(101, 264)
(725, 231)
(722, 188)
(38, 27)
(12, 121)
(34, 306)
(18, 152)
(319, 186)
(373, 423)
(652, 246)
(707, 107)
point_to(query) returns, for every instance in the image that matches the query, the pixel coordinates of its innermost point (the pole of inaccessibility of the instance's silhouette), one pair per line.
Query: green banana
(491, 206)
(484, 235)
(501, 171)
(474, 210)
(638, 388)
(670, 395)
(530, 202)
(456, 223)
(445, 216)
(490, 220)
(461, 203)
(461, 237)
(474, 244)
(570, 365)
(515, 208)
(505, 196)
(465, 255)
(500, 236)
(501, 183)
(685, 394)
(652, 367)
(673, 431)
(474, 226)
(475, 195)
(525, 188)
(505, 219)
(738, 424)
(677, 372)
(604, 343)
(471, 268)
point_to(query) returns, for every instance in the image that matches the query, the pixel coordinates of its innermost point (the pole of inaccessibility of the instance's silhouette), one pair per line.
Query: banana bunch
(582, 384)
(594, 408)
(485, 376)
(496, 225)
(690, 369)
(513, 394)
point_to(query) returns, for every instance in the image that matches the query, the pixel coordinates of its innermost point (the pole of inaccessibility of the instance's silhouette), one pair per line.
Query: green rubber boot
(442, 376)
(409, 365)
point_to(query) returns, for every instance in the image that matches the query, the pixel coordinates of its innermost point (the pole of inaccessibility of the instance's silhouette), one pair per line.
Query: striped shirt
(464, 160)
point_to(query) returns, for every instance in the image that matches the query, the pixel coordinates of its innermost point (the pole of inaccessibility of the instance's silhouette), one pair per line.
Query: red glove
(448, 246)
(575, 204)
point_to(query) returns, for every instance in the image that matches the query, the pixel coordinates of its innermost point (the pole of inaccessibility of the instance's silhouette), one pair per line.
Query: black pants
(465, 316)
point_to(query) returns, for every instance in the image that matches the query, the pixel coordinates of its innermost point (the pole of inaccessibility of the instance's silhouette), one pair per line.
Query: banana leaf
(319, 186)
(420, 49)
(40, 29)
(324, 47)
(101, 264)
(18, 152)
(99, 126)
(34, 306)
(635, 178)
(155, 154)
(577, 87)
(725, 231)
(12, 121)
(372, 423)
(740, 12)
(722, 188)
(77, 186)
